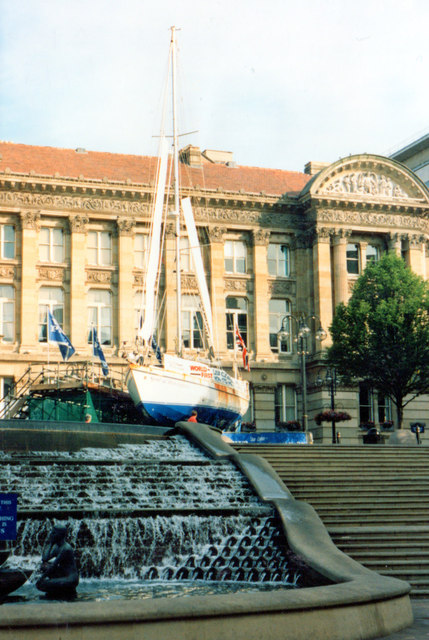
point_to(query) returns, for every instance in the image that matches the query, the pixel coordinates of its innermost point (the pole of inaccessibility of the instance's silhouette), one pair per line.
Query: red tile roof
(48, 161)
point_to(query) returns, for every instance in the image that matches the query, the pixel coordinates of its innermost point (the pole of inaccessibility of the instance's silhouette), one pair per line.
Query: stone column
(426, 253)
(261, 320)
(416, 254)
(323, 298)
(362, 256)
(125, 311)
(394, 243)
(170, 289)
(217, 287)
(29, 320)
(341, 292)
(78, 303)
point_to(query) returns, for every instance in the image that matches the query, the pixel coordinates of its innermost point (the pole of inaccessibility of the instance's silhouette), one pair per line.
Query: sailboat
(168, 388)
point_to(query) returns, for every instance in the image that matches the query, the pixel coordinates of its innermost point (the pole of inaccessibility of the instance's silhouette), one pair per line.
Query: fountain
(187, 510)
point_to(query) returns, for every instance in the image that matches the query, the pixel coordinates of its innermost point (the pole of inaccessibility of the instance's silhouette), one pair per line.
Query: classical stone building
(74, 228)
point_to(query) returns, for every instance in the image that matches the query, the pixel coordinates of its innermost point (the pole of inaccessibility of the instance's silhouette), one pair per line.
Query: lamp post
(331, 382)
(303, 332)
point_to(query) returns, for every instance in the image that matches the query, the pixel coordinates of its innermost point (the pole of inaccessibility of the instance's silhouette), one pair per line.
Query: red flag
(241, 345)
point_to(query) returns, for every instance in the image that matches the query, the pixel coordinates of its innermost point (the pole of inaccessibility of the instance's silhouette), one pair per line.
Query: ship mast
(176, 191)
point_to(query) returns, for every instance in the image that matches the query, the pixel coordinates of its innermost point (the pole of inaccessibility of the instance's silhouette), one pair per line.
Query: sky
(278, 82)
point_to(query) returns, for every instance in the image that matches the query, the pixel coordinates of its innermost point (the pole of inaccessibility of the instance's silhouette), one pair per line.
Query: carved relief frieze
(237, 285)
(365, 183)
(189, 282)
(99, 276)
(64, 202)
(7, 271)
(126, 226)
(51, 273)
(281, 287)
(371, 218)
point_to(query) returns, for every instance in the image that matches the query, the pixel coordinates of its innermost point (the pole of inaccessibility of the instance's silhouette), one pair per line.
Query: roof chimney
(313, 167)
(191, 156)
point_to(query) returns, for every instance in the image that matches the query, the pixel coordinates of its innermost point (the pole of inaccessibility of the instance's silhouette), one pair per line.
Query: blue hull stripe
(170, 414)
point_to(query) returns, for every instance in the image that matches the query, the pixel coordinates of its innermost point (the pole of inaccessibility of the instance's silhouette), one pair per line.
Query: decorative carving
(126, 226)
(341, 234)
(261, 237)
(416, 242)
(370, 218)
(98, 276)
(281, 287)
(322, 234)
(78, 223)
(138, 279)
(7, 271)
(30, 219)
(365, 183)
(188, 281)
(47, 201)
(51, 273)
(215, 234)
(237, 284)
(170, 230)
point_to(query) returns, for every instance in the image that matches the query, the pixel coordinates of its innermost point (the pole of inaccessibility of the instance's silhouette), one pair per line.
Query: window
(384, 407)
(50, 299)
(285, 403)
(7, 239)
(192, 323)
(186, 262)
(7, 312)
(138, 310)
(6, 386)
(372, 253)
(373, 405)
(235, 256)
(278, 309)
(353, 259)
(99, 248)
(100, 315)
(140, 250)
(278, 260)
(236, 315)
(51, 245)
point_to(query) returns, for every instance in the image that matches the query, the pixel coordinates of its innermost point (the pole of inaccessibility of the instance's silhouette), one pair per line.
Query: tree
(382, 335)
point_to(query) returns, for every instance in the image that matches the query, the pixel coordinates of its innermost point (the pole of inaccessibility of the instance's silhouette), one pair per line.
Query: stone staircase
(373, 499)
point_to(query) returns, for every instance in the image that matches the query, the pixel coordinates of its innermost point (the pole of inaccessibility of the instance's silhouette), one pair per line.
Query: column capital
(126, 226)
(215, 234)
(261, 237)
(30, 219)
(341, 235)
(78, 224)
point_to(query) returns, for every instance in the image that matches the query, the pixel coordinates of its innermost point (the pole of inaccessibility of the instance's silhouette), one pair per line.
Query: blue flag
(56, 334)
(98, 352)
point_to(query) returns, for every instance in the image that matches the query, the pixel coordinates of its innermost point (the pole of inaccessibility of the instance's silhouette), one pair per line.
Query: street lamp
(303, 332)
(331, 382)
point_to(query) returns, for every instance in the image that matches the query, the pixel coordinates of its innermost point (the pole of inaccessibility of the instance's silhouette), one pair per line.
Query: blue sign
(8, 502)
(294, 437)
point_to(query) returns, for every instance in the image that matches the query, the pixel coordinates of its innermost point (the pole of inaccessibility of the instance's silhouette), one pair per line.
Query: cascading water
(160, 511)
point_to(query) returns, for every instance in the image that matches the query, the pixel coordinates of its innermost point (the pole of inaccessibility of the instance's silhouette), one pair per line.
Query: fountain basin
(362, 604)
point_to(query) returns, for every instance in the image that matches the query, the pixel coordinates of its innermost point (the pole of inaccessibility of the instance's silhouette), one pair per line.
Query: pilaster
(78, 303)
(29, 291)
(340, 266)
(126, 231)
(217, 286)
(416, 253)
(323, 299)
(261, 323)
(170, 289)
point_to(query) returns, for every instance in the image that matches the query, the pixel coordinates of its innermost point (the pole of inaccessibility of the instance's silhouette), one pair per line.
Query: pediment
(370, 178)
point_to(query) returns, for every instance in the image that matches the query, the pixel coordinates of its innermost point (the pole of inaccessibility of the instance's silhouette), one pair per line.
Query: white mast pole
(176, 194)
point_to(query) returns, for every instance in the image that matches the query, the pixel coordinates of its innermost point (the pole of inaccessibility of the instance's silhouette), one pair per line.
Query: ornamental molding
(126, 226)
(51, 273)
(99, 277)
(55, 202)
(7, 271)
(78, 223)
(216, 234)
(138, 279)
(281, 287)
(371, 218)
(189, 282)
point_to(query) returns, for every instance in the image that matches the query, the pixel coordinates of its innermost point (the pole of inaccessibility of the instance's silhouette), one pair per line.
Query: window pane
(352, 259)
(8, 248)
(372, 253)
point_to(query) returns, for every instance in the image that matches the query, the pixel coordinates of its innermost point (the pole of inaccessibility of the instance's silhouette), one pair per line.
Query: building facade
(74, 231)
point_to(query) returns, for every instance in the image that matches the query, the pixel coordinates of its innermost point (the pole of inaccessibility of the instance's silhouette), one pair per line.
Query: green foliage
(382, 334)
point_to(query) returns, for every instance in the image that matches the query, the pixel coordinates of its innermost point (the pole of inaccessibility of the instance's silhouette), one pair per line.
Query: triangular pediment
(369, 178)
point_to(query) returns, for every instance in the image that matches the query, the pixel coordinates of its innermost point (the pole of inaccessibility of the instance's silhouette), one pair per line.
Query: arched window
(192, 323)
(236, 315)
(50, 299)
(100, 315)
(278, 309)
(7, 312)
